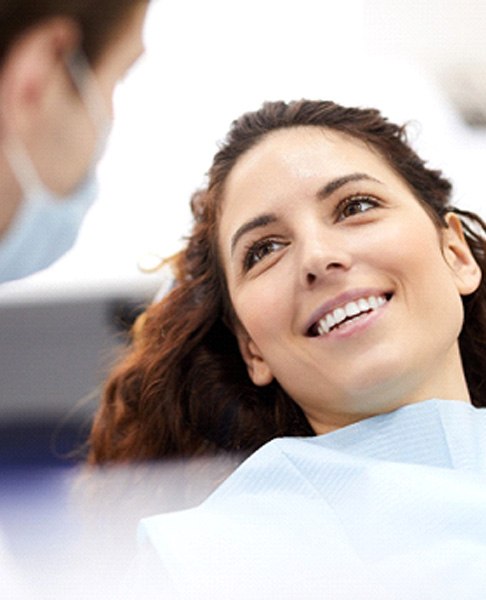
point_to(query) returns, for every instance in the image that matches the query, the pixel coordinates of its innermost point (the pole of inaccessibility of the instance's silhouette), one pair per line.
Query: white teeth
(339, 315)
(364, 305)
(350, 310)
(373, 302)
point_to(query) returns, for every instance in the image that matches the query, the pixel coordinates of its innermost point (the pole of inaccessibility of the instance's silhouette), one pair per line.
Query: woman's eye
(259, 250)
(355, 206)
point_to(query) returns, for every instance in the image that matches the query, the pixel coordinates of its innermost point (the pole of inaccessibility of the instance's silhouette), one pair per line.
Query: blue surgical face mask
(46, 224)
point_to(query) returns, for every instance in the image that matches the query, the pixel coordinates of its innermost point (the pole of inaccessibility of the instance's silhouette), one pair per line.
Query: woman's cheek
(261, 307)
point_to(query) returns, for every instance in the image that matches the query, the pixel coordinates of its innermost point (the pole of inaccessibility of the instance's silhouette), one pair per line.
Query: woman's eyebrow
(260, 221)
(335, 184)
(324, 192)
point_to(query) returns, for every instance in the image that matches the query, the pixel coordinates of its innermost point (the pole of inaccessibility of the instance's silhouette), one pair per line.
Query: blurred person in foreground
(60, 61)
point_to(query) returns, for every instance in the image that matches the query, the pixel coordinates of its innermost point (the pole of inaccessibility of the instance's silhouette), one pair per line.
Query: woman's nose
(323, 256)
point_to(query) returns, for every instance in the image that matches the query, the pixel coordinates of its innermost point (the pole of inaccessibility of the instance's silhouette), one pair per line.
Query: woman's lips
(346, 312)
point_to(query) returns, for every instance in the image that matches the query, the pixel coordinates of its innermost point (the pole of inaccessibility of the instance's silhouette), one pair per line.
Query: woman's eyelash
(258, 250)
(355, 205)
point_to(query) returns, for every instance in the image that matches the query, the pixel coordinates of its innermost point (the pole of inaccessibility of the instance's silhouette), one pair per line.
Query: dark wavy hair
(98, 20)
(183, 388)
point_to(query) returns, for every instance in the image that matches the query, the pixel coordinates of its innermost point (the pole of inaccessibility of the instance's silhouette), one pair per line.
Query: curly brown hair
(183, 388)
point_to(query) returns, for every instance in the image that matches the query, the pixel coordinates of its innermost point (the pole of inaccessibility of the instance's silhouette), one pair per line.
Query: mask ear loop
(22, 166)
(89, 91)
(88, 88)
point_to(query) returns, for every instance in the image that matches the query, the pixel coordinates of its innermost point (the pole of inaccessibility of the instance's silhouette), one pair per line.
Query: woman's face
(345, 290)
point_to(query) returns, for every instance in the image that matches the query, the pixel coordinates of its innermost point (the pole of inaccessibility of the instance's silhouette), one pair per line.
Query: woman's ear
(258, 369)
(459, 257)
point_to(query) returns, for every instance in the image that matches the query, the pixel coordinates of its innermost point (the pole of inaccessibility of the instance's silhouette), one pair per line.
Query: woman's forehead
(298, 156)
(298, 149)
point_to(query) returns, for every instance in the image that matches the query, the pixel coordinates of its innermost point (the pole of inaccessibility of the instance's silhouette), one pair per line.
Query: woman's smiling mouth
(347, 312)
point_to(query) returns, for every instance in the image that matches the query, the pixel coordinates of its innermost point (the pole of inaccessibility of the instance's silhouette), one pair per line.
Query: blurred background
(206, 62)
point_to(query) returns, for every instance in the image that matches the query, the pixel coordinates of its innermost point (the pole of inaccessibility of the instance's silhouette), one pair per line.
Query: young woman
(330, 299)
(310, 207)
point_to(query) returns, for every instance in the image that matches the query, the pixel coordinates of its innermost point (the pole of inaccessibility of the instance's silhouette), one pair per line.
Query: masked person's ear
(31, 66)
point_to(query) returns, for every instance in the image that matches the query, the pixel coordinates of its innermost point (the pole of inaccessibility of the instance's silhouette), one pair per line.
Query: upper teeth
(351, 309)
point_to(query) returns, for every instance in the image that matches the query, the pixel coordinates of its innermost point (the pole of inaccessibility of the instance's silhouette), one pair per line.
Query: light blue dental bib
(393, 507)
